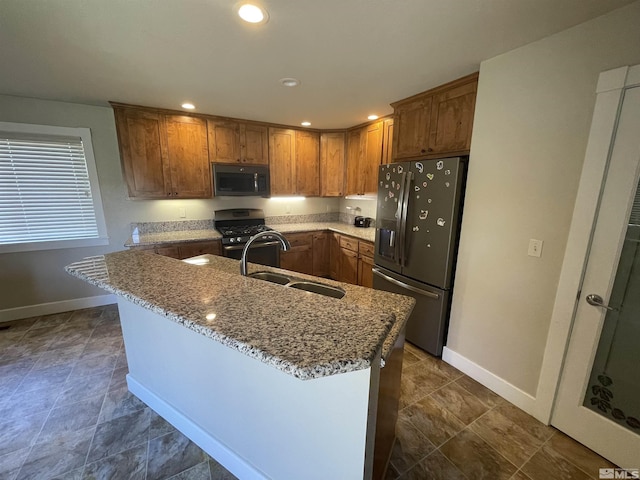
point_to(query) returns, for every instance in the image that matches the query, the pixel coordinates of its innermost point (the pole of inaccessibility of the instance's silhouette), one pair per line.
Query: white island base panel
(257, 421)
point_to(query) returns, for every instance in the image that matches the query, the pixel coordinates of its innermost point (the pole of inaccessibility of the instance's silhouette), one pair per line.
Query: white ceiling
(353, 57)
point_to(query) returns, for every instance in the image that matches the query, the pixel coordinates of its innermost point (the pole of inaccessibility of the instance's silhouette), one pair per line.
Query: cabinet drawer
(349, 243)
(300, 239)
(200, 248)
(366, 249)
(173, 252)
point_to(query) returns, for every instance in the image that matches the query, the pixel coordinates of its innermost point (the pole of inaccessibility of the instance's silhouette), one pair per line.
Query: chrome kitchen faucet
(243, 260)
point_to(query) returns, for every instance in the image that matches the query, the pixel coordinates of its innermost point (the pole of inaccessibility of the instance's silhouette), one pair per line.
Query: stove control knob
(239, 239)
(231, 240)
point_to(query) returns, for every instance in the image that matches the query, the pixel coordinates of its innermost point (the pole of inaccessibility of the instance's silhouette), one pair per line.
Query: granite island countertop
(179, 236)
(303, 334)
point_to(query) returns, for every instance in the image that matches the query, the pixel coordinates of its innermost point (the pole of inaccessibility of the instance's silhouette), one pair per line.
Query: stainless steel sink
(307, 286)
(271, 277)
(319, 288)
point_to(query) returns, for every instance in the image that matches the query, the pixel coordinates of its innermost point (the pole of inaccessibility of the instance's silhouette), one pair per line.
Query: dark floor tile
(547, 463)
(409, 358)
(519, 475)
(49, 377)
(119, 402)
(21, 432)
(107, 331)
(78, 389)
(94, 365)
(61, 356)
(72, 417)
(218, 472)
(171, 454)
(410, 446)
(534, 427)
(416, 351)
(63, 454)
(475, 458)
(485, 395)
(120, 434)
(391, 473)
(52, 320)
(27, 403)
(21, 325)
(508, 438)
(130, 464)
(159, 426)
(11, 462)
(75, 474)
(460, 402)
(122, 359)
(199, 472)
(435, 422)
(434, 467)
(418, 381)
(119, 378)
(102, 346)
(585, 459)
(68, 337)
(443, 368)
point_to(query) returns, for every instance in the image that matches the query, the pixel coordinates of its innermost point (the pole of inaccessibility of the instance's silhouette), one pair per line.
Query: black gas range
(237, 226)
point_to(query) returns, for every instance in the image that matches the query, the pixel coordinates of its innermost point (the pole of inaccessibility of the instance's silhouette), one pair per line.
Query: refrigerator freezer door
(391, 180)
(427, 325)
(433, 220)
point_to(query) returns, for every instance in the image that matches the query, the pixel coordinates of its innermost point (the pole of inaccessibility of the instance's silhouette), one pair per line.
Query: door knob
(596, 301)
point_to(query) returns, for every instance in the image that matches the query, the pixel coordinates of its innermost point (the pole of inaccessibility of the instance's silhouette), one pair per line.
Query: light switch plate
(535, 248)
(182, 212)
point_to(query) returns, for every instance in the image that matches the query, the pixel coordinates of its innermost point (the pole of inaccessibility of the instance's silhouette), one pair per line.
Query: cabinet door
(387, 141)
(372, 158)
(224, 141)
(452, 119)
(412, 127)
(332, 164)
(334, 256)
(348, 266)
(282, 154)
(321, 254)
(365, 271)
(254, 144)
(140, 136)
(299, 258)
(355, 141)
(194, 249)
(170, 251)
(307, 165)
(187, 154)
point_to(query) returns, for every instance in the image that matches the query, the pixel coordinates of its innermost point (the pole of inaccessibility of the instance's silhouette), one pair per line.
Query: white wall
(532, 119)
(33, 278)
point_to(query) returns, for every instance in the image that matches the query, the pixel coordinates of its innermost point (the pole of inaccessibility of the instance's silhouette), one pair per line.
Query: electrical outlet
(535, 248)
(182, 212)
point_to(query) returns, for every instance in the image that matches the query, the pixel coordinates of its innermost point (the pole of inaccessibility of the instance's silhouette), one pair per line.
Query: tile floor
(66, 413)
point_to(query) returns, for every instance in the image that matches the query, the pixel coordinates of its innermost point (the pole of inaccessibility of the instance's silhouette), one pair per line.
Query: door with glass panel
(598, 401)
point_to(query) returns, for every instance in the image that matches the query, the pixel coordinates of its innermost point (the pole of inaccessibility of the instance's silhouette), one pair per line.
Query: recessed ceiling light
(253, 14)
(372, 117)
(306, 124)
(188, 106)
(290, 82)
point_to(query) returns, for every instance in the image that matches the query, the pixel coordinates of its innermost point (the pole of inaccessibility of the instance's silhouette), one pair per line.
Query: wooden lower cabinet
(334, 255)
(321, 254)
(299, 258)
(186, 250)
(365, 271)
(348, 266)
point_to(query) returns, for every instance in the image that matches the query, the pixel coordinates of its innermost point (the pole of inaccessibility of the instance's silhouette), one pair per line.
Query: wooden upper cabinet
(452, 119)
(436, 122)
(355, 144)
(372, 158)
(387, 141)
(237, 142)
(163, 156)
(411, 128)
(307, 164)
(140, 136)
(188, 157)
(282, 154)
(332, 164)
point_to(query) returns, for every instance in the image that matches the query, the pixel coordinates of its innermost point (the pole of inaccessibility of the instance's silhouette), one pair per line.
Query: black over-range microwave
(241, 180)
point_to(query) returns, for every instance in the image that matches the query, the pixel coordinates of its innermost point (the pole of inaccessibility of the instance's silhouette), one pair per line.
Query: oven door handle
(230, 248)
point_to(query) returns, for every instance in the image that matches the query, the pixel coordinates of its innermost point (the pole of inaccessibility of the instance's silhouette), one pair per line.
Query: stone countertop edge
(388, 330)
(183, 236)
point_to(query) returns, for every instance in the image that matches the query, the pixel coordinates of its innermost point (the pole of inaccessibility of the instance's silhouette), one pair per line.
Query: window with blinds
(49, 193)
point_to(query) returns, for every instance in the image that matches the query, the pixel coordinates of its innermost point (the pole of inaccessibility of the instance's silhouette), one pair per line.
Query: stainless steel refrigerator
(417, 226)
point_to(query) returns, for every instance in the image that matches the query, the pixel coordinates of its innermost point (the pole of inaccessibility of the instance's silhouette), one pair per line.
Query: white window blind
(46, 192)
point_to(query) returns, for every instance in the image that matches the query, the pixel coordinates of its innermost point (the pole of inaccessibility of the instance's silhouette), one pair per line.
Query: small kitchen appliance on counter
(418, 221)
(237, 226)
(362, 222)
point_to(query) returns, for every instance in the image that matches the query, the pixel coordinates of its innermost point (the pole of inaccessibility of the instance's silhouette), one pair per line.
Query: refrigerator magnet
(430, 176)
(440, 165)
(420, 167)
(440, 222)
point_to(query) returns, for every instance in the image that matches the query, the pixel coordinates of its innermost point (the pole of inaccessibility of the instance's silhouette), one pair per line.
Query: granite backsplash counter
(303, 334)
(159, 233)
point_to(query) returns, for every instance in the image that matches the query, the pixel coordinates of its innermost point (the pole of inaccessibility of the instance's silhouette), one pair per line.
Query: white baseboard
(513, 394)
(223, 455)
(55, 307)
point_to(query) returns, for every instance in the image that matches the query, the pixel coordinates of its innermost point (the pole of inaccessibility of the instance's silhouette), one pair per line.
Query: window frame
(85, 135)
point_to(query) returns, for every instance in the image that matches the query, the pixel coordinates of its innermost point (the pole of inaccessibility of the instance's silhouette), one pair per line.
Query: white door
(598, 399)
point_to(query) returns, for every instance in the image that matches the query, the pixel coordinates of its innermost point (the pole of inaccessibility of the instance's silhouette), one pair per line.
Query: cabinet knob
(175, 194)
(429, 149)
(423, 151)
(168, 194)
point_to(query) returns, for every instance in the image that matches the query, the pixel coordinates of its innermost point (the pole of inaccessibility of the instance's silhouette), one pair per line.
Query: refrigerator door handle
(377, 272)
(399, 216)
(406, 188)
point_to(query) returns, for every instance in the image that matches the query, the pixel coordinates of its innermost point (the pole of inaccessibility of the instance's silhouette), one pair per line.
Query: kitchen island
(271, 381)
